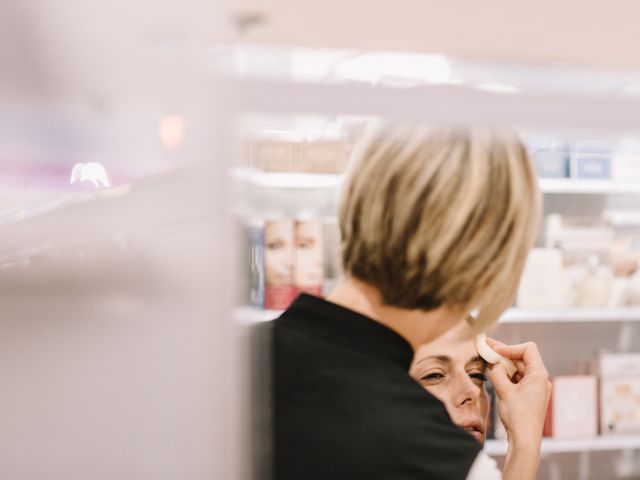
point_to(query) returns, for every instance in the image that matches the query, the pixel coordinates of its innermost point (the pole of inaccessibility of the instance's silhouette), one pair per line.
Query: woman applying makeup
(434, 223)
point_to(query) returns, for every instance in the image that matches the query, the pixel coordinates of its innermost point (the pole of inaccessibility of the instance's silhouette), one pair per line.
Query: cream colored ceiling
(586, 33)
(92, 50)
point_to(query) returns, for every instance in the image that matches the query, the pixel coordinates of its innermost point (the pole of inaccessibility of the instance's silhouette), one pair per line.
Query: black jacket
(345, 406)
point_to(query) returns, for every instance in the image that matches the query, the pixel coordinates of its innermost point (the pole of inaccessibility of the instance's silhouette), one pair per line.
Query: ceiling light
(503, 88)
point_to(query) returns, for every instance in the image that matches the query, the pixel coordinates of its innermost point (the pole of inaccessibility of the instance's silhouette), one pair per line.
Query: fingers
(526, 352)
(500, 379)
(526, 357)
(493, 343)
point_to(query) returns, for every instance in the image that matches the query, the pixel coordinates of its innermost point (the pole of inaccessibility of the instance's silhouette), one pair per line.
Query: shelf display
(586, 263)
(308, 267)
(582, 261)
(543, 282)
(498, 448)
(255, 235)
(279, 256)
(619, 393)
(286, 258)
(294, 156)
(583, 271)
(574, 407)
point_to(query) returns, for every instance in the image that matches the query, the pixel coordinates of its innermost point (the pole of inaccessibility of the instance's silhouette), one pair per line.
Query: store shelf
(253, 314)
(498, 448)
(331, 181)
(438, 104)
(513, 315)
(288, 180)
(578, 186)
(568, 315)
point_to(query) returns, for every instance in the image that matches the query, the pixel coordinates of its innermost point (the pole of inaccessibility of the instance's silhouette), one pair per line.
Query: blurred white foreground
(117, 358)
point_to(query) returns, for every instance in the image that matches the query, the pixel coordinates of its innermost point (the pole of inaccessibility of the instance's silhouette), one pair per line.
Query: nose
(468, 392)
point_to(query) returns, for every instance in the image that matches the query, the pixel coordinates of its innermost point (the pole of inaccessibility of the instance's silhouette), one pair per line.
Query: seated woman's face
(452, 371)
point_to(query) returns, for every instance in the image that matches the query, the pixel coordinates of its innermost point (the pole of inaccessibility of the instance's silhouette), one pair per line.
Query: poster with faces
(279, 257)
(293, 252)
(309, 256)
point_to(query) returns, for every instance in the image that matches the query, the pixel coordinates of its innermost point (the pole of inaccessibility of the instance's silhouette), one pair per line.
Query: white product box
(544, 283)
(620, 405)
(626, 166)
(612, 365)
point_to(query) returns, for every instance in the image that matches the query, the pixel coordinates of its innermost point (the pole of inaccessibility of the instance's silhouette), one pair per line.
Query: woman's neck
(416, 326)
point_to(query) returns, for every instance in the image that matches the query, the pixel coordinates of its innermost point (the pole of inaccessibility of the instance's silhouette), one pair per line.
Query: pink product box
(574, 406)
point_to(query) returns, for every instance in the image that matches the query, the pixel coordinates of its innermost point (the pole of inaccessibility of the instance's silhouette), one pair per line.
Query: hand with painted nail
(522, 403)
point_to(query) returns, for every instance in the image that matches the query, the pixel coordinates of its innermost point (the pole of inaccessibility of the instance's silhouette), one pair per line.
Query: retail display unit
(570, 334)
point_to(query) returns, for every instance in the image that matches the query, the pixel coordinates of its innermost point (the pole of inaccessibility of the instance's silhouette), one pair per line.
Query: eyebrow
(441, 358)
(477, 359)
(447, 359)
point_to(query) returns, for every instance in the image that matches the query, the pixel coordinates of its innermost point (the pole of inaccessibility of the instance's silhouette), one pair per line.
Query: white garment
(484, 468)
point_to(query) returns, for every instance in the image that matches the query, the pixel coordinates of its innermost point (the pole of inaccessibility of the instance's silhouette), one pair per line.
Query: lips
(475, 429)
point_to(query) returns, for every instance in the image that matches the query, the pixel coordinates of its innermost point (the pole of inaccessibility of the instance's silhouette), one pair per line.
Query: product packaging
(323, 156)
(611, 365)
(620, 405)
(309, 257)
(591, 160)
(594, 289)
(619, 392)
(332, 255)
(626, 166)
(255, 233)
(273, 155)
(551, 157)
(543, 283)
(279, 258)
(574, 406)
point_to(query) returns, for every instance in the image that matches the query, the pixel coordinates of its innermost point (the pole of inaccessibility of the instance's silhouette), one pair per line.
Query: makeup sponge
(492, 357)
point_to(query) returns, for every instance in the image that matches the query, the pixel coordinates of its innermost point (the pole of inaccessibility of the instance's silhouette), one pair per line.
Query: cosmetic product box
(323, 156)
(551, 162)
(279, 258)
(619, 392)
(591, 160)
(308, 270)
(574, 406)
(550, 156)
(626, 166)
(620, 405)
(543, 283)
(255, 235)
(611, 365)
(273, 155)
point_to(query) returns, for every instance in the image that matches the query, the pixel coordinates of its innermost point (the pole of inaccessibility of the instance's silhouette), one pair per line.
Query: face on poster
(279, 252)
(309, 253)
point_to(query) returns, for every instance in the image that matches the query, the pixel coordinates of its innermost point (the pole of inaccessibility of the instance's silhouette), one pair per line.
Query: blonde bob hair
(440, 217)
